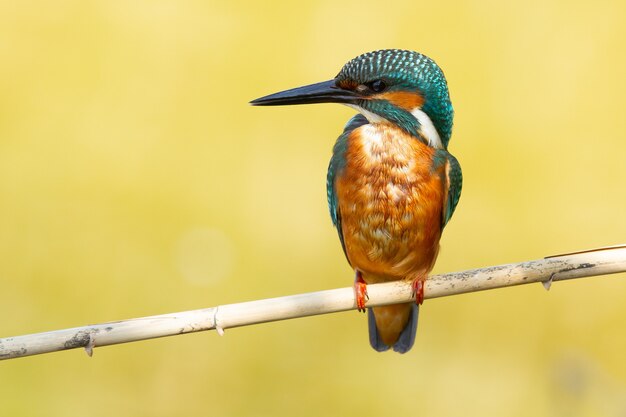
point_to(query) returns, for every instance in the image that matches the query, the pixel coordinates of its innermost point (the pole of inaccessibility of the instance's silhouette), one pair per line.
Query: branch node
(548, 283)
(90, 345)
(216, 322)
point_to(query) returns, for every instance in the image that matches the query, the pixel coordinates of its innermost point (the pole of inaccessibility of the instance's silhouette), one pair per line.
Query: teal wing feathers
(454, 178)
(337, 162)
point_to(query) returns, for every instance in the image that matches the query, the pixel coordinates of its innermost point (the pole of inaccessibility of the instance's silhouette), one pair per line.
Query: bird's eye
(377, 86)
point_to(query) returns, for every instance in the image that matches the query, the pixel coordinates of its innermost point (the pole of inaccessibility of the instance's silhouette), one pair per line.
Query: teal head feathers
(404, 87)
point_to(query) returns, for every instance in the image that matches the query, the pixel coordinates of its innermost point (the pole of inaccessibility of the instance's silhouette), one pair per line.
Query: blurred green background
(136, 180)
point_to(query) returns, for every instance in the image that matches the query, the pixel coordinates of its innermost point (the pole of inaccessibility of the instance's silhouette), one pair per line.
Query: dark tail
(405, 340)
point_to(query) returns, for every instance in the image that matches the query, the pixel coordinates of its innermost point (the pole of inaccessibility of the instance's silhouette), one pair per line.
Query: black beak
(324, 92)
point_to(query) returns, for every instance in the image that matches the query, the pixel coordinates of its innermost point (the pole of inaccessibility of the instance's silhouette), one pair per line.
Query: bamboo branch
(557, 268)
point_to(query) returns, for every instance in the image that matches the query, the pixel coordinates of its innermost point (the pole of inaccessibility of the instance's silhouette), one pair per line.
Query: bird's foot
(418, 291)
(360, 291)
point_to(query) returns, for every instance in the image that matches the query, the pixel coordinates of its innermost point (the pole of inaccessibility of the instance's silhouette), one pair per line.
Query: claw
(418, 291)
(360, 291)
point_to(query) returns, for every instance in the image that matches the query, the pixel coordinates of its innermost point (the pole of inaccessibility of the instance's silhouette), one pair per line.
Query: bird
(392, 186)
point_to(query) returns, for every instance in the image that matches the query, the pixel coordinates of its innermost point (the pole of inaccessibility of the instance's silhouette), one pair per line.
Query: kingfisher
(392, 186)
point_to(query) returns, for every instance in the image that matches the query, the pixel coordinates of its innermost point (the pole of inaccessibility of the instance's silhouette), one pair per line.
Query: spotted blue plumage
(405, 71)
(453, 177)
(455, 183)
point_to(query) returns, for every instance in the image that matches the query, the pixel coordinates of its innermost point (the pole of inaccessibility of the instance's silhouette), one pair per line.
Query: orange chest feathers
(391, 202)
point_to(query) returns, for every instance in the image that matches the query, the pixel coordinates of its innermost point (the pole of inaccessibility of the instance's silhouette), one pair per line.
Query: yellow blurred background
(136, 180)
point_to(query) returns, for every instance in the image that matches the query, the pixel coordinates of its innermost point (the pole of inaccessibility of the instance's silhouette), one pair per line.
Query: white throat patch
(371, 117)
(427, 128)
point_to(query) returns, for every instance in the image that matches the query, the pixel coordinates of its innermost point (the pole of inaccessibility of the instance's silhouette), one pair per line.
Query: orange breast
(391, 204)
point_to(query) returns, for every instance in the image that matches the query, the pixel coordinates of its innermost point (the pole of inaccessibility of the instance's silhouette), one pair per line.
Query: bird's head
(401, 87)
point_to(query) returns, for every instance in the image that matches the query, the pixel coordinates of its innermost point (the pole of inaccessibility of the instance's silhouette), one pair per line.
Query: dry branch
(557, 268)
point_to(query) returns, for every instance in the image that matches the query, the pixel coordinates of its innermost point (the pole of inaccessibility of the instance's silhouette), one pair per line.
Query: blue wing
(337, 163)
(454, 179)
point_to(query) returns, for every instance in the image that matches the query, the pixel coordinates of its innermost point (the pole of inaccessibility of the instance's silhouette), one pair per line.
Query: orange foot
(360, 291)
(418, 291)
